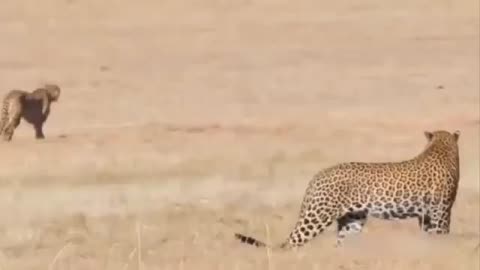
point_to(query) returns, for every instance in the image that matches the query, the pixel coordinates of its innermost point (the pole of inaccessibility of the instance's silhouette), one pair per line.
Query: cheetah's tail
(250, 240)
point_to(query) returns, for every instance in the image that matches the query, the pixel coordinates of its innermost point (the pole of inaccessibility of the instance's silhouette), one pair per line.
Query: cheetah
(424, 187)
(34, 107)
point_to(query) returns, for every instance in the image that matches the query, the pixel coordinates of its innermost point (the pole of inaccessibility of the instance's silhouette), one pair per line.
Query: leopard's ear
(429, 135)
(456, 135)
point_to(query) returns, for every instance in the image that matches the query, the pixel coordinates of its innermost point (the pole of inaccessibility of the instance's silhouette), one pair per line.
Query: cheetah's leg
(11, 126)
(351, 223)
(3, 123)
(3, 118)
(11, 114)
(39, 130)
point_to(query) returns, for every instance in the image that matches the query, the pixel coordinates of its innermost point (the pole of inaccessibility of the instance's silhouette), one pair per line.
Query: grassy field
(182, 122)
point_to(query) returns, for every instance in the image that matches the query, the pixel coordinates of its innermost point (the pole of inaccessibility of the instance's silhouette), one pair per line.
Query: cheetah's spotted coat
(34, 107)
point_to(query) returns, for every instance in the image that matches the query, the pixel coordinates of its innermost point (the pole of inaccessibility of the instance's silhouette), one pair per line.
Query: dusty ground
(181, 122)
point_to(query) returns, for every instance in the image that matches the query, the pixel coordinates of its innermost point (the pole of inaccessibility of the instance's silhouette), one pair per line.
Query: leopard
(423, 187)
(34, 107)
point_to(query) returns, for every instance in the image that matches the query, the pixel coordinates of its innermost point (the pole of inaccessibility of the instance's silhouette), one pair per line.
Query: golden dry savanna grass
(182, 122)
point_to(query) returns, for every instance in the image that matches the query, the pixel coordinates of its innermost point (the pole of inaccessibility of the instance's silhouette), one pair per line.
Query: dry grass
(182, 122)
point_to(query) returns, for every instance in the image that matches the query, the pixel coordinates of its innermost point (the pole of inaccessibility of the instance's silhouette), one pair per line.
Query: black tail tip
(241, 237)
(249, 240)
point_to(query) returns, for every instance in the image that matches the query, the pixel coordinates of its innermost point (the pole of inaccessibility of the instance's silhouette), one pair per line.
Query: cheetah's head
(53, 91)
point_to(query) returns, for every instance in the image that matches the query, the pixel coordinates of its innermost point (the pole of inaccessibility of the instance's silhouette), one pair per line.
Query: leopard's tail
(257, 243)
(250, 240)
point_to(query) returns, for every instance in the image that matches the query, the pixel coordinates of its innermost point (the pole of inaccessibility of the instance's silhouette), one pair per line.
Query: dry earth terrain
(182, 122)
